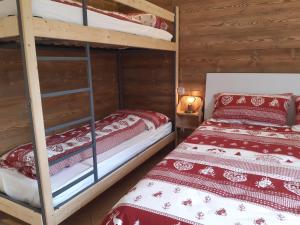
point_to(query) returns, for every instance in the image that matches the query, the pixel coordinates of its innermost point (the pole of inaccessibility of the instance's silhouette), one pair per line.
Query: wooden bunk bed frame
(28, 29)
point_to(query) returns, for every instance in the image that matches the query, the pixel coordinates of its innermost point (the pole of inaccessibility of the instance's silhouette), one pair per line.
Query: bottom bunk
(20, 184)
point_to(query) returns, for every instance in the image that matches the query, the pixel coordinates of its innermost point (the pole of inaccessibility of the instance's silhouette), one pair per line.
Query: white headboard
(262, 83)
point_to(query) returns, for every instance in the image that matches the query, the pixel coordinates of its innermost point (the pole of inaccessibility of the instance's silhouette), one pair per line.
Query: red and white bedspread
(110, 132)
(222, 174)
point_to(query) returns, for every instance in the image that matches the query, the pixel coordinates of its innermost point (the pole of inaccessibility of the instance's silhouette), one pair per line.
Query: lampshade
(189, 104)
(191, 99)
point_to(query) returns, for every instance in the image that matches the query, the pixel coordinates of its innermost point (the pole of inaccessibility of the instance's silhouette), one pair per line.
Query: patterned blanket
(221, 174)
(110, 132)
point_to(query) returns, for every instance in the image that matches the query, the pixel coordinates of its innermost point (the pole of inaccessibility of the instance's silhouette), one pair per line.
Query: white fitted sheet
(57, 11)
(24, 189)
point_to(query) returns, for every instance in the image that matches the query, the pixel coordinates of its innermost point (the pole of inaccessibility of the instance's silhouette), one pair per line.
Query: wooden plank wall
(216, 36)
(149, 78)
(166, 4)
(103, 4)
(237, 36)
(14, 123)
(148, 81)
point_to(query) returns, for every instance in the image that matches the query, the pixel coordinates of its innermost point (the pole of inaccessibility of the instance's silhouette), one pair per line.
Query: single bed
(224, 173)
(25, 189)
(64, 11)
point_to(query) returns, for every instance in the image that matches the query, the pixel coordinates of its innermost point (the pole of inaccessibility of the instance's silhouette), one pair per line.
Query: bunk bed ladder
(90, 80)
(89, 119)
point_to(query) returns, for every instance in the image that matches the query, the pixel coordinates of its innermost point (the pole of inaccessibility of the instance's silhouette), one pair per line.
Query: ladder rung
(58, 192)
(82, 149)
(68, 124)
(61, 58)
(62, 93)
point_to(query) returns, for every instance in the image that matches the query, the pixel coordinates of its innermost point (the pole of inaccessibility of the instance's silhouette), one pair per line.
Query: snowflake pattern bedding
(222, 174)
(110, 132)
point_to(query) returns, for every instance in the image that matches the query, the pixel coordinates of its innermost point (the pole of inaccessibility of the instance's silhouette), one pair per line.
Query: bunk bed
(22, 21)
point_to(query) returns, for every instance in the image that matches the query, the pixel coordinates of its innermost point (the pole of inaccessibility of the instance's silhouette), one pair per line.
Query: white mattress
(57, 11)
(24, 189)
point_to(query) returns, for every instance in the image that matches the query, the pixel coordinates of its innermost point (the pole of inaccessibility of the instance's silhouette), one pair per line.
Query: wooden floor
(94, 212)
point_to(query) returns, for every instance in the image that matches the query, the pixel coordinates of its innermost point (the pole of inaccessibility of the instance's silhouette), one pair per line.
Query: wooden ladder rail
(28, 45)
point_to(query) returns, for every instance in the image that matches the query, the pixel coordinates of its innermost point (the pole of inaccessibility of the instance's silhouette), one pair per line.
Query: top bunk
(63, 20)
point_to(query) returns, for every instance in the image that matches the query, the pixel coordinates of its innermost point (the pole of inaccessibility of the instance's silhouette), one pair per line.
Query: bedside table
(186, 123)
(189, 115)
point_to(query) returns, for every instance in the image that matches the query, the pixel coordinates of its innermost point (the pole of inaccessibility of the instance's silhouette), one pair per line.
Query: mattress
(57, 11)
(24, 189)
(233, 174)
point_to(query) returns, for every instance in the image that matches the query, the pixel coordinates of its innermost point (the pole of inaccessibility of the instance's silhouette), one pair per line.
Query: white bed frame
(261, 83)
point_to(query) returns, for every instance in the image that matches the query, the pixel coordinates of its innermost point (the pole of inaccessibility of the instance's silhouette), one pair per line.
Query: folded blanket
(110, 132)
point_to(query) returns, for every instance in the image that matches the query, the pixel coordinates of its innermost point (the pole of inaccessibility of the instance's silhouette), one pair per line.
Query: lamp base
(190, 112)
(189, 109)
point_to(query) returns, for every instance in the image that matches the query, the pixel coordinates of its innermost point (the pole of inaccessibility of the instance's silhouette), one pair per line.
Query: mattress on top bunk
(68, 13)
(24, 189)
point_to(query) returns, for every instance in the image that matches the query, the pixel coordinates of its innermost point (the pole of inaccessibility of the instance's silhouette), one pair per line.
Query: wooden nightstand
(186, 123)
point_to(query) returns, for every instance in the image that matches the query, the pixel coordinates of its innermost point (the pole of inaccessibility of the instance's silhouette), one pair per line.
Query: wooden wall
(148, 81)
(103, 4)
(236, 36)
(147, 84)
(216, 36)
(14, 123)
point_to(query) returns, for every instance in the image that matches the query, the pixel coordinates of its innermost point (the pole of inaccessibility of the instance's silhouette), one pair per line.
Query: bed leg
(37, 221)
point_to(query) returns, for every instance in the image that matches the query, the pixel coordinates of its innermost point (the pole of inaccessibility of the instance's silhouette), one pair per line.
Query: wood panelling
(54, 76)
(237, 36)
(103, 4)
(148, 81)
(215, 36)
(166, 4)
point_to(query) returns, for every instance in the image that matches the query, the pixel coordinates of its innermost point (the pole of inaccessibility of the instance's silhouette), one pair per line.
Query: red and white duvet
(223, 174)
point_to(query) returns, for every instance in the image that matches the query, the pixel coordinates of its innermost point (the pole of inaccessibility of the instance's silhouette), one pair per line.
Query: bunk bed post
(176, 64)
(120, 79)
(32, 78)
